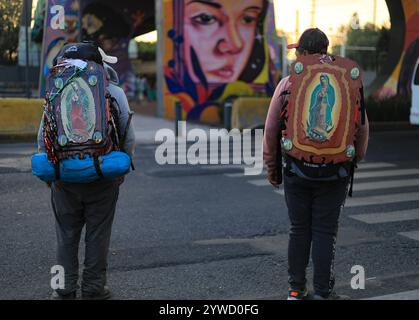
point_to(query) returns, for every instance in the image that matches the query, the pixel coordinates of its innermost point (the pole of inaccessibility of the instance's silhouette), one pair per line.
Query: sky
(329, 15)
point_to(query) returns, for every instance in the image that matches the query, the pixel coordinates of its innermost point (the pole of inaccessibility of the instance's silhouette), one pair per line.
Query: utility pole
(374, 17)
(297, 24)
(27, 4)
(313, 13)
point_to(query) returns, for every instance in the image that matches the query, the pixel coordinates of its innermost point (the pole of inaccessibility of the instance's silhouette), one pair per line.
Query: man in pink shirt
(314, 201)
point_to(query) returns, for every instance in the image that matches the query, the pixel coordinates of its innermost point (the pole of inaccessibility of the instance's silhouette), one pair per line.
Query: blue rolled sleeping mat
(74, 170)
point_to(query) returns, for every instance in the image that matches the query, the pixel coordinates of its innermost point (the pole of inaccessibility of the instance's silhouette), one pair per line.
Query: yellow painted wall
(20, 117)
(249, 112)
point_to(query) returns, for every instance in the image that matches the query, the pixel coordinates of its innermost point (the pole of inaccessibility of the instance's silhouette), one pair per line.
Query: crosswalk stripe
(414, 235)
(383, 217)
(382, 199)
(357, 187)
(280, 191)
(260, 182)
(386, 173)
(375, 165)
(406, 295)
(224, 166)
(385, 184)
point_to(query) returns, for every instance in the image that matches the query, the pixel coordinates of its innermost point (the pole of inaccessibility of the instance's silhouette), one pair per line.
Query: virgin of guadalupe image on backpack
(323, 111)
(80, 127)
(322, 101)
(78, 111)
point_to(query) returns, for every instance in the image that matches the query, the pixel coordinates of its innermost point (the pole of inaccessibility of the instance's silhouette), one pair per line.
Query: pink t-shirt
(270, 141)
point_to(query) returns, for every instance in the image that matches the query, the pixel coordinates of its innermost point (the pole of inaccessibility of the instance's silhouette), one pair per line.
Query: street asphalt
(201, 232)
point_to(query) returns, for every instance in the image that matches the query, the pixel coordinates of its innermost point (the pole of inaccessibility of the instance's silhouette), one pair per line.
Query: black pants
(75, 206)
(314, 208)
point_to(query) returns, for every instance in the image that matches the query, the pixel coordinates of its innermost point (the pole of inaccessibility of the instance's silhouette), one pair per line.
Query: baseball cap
(312, 40)
(84, 51)
(106, 58)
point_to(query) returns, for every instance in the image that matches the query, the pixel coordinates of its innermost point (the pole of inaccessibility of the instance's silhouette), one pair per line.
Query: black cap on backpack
(87, 51)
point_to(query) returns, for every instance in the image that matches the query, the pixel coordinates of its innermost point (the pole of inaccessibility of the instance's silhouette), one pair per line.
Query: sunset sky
(330, 14)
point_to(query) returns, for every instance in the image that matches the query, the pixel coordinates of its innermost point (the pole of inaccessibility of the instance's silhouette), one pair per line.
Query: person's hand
(273, 177)
(120, 180)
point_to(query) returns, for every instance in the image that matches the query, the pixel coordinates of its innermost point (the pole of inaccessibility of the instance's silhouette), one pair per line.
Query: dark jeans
(75, 206)
(314, 208)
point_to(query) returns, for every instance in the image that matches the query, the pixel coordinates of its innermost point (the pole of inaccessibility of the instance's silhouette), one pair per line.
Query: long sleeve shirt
(270, 141)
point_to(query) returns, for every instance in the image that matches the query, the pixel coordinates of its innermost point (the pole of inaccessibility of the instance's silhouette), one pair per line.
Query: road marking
(385, 173)
(394, 216)
(19, 163)
(260, 182)
(241, 174)
(224, 166)
(382, 199)
(414, 235)
(280, 191)
(357, 186)
(386, 184)
(406, 295)
(375, 165)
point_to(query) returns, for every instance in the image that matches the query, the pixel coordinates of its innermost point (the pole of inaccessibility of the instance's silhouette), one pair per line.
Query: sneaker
(297, 294)
(332, 296)
(57, 296)
(105, 294)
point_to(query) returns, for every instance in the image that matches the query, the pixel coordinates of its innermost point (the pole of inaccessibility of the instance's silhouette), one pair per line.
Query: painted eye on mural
(250, 16)
(204, 19)
(249, 19)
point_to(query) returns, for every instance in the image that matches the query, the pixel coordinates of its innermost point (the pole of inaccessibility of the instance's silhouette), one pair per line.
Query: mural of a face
(221, 33)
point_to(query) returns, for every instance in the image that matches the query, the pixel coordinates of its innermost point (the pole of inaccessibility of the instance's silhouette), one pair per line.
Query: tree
(10, 12)
(147, 51)
(374, 41)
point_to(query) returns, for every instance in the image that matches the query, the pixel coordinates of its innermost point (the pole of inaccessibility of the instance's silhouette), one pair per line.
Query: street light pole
(26, 16)
(313, 13)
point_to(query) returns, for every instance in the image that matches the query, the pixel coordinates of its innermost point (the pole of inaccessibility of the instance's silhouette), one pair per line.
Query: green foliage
(390, 109)
(147, 51)
(366, 36)
(10, 12)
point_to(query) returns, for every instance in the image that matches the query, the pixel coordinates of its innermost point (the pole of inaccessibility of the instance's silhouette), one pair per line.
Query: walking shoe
(70, 296)
(297, 294)
(105, 294)
(332, 296)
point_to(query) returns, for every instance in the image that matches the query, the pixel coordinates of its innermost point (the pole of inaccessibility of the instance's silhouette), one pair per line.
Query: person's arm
(124, 109)
(41, 145)
(270, 140)
(361, 140)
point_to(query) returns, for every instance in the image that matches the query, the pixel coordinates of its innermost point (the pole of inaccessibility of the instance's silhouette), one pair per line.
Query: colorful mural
(400, 80)
(217, 50)
(111, 24)
(54, 38)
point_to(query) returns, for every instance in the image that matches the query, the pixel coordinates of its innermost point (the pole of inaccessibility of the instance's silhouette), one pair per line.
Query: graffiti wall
(216, 50)
(108, 23)
(399, 81)
(56, 33)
